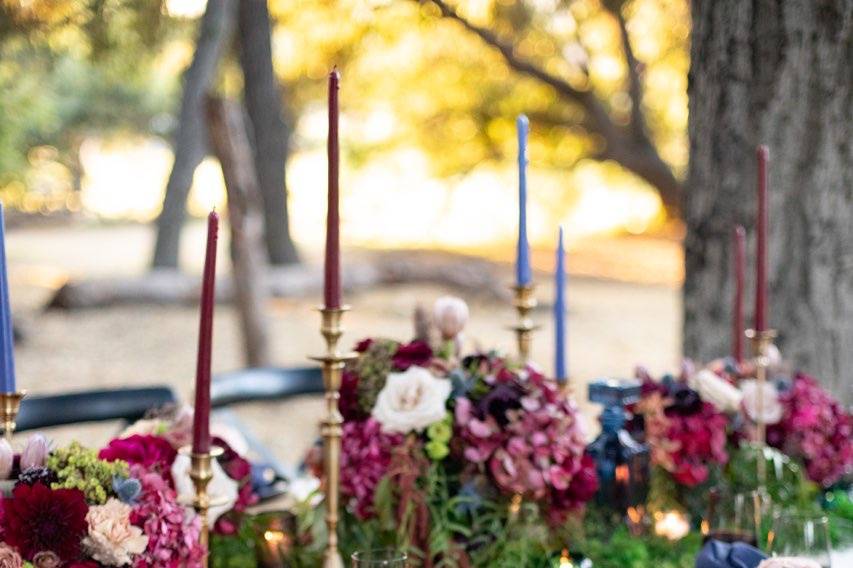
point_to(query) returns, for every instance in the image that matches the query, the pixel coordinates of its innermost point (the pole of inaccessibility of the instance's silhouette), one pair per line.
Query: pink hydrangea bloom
(816, 429)
(365, 456)
(173, 534)
(526, 434)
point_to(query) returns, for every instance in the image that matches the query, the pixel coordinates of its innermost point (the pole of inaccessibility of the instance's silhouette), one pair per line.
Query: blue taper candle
(560, 367)
(7, 339)
(522, 259)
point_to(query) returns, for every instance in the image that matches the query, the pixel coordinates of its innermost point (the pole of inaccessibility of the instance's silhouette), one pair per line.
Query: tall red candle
(761, 249)
(739, 257)
(201, 419)
(332, 269)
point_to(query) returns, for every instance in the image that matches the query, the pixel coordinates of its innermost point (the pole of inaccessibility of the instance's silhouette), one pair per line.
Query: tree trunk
(268, 133)
(190, 144)
(777, 73)
(231, 143)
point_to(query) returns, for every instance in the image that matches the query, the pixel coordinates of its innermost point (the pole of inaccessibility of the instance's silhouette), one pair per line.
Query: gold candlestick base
(524, 303)
(10, 406)
(761, 342)
(333, 363)
(201, 472)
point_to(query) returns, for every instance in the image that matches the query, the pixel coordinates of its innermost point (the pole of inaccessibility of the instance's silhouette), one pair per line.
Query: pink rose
(147, 451)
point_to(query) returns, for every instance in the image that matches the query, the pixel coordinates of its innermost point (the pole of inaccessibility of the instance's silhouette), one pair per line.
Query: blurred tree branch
(629, 145)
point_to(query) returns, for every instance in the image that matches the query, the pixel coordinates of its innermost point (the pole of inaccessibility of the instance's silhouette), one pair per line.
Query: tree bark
(190, 144)
(231, 143)
(777, 73)
(269, 133)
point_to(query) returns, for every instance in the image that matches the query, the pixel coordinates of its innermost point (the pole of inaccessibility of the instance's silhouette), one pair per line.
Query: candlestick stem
(10, 406)
(201, 472)
(761, 342)
(333, 363)
(524, 303)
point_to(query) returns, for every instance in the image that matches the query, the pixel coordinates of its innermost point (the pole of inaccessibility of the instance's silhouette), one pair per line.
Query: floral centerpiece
(441, 452)
(699, 424)
(121, 506)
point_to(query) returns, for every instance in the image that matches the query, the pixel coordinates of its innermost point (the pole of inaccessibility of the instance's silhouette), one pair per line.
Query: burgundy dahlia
(147, 451)
(40, 519)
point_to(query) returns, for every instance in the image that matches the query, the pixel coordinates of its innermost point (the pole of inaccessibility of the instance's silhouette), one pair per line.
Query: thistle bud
(35, 454)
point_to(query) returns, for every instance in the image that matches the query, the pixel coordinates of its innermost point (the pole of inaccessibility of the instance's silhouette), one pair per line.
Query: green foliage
(787, 483)
(79, 468)
(237, 550)
(372, 369)
(608, 543)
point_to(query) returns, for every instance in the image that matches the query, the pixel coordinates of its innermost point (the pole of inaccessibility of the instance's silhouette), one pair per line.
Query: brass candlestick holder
(333, 363)
(10, 406)
(201, 472)
(524, 303)
(761, 342)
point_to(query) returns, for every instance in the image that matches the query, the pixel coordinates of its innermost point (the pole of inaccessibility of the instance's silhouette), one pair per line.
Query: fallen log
(466, 275)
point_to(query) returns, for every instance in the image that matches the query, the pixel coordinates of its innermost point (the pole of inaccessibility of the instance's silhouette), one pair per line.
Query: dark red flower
(83, 564)
(147, 451)
(415, 353)
(363, 345)
(40, 519)
(348, 402)
(234, 465)
(582, 488)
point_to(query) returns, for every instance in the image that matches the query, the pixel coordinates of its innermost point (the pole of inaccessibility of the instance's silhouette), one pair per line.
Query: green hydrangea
(440, 431)
(77, 467)
(436, 450)
(372, 369)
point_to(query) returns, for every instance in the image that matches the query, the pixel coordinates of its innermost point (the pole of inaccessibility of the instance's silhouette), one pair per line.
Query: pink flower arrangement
(526, 435)
(815, 428)
(365, 457)
(74, 507)
(686, 435)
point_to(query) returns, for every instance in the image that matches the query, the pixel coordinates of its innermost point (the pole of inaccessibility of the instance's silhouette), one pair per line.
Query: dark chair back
(265, 383)
(91, 406)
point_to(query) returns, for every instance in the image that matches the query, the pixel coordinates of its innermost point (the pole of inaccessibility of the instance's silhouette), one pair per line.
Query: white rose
(222, 489)
(411, 400)
(450, 315)
(716, 390)
(771, 408)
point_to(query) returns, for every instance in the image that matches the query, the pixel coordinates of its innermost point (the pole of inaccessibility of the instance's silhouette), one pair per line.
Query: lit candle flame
(671, 524)
(273, 537)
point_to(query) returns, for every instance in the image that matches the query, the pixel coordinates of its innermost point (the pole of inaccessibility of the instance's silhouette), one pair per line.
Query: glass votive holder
(275, 536)
(380, 558)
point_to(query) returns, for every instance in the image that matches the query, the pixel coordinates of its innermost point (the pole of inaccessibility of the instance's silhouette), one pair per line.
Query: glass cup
(803, 536)
(841, 536)
(735, 517)
(384, 558)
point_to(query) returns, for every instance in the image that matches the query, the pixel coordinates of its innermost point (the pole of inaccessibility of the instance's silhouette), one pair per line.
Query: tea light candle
(672, 525)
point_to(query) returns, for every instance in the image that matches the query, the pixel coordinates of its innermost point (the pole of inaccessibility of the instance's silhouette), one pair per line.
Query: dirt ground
(613, 326)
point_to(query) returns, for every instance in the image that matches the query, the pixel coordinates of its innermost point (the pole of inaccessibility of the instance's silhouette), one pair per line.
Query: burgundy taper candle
(201, 418)
(761, 248)
(739, 257)
(332, 268)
